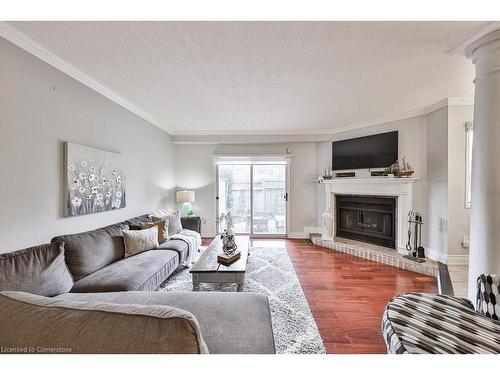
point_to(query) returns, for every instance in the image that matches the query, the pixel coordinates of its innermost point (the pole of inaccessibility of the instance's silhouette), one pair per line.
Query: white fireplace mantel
(401, 188)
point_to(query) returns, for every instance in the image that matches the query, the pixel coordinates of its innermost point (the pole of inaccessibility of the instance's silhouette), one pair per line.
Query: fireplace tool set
(417, 252)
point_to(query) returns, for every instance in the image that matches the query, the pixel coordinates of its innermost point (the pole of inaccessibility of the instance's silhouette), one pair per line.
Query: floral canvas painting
(95, 180)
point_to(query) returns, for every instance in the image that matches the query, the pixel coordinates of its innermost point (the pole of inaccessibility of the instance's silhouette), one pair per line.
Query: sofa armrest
(31, 321)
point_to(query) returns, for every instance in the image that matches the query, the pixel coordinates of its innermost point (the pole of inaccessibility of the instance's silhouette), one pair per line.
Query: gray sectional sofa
(58, 291)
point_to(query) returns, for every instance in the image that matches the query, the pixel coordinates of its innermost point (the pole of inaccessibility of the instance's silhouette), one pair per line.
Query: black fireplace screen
(366, 218)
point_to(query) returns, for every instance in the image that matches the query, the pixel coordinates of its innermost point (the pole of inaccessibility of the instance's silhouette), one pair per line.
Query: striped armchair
(431, 324)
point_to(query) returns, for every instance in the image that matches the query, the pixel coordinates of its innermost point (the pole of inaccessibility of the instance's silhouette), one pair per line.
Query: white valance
(253, 159)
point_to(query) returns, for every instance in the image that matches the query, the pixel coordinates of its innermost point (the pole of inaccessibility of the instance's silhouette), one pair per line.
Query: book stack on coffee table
(228, 259)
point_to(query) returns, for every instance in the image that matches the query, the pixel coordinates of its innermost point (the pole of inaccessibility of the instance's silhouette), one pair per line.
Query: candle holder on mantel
(327, 225)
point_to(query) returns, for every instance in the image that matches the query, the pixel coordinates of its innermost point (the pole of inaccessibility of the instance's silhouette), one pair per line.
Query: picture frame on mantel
(94, 180)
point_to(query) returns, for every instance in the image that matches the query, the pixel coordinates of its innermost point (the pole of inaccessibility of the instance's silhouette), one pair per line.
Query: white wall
(195, 169)
(459, 216)
(437, 174)
(40, 108)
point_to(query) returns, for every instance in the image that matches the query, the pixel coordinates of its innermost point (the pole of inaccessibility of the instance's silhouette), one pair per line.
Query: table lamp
(186, 197)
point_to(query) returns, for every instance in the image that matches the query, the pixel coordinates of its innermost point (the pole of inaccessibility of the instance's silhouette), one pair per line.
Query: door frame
(287, 202)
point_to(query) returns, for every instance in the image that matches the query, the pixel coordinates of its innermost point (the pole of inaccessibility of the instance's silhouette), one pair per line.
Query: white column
(484, 255)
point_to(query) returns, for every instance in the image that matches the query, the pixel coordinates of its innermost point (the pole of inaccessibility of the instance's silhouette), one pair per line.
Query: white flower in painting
(101, 204)
(82, 190)
(88, 197)
(95, 190)
(84, 163)
(92, 159)
(98, 196)
(71, 168)
(116, 203)
(73, 187)
(104, 180)
(118, 194)
(108, 194)
(114, 173)
(103, 171)
(107, 202)
(76, 202)
(82, 176)
(92, 177)
(92, 169)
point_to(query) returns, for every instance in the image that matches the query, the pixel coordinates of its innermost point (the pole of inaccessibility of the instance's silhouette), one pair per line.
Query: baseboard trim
(298, 235)
(458, 260)
(436, 255)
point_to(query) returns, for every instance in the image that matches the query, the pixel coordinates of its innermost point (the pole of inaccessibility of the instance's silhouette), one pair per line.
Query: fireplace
(369, 219)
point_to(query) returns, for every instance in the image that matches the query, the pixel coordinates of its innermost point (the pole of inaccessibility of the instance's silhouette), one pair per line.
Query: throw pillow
(137, 241)
(162, 229)
(174, 223)
(39, 270)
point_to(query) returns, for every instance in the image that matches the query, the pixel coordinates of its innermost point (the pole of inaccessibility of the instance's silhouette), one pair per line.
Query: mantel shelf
(370, 180)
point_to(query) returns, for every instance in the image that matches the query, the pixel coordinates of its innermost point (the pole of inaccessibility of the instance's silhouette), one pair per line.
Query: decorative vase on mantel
(327, 225)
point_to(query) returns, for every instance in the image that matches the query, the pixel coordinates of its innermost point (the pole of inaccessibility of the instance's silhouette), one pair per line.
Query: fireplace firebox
(366, 218)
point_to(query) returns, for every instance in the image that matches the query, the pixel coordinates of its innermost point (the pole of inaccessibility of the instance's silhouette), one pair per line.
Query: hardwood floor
(347, 295)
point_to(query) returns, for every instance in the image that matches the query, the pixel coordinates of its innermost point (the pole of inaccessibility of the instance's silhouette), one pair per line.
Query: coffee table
(208, 270)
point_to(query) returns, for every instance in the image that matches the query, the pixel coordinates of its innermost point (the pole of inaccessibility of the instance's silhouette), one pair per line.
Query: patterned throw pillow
(488, 293)
(137, 241)
(162, 229)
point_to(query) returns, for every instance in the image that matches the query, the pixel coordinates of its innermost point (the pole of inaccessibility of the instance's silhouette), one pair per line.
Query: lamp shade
(184, 196)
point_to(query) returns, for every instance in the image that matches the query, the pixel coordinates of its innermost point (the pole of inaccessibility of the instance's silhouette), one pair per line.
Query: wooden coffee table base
(205, 277)
(208, 270)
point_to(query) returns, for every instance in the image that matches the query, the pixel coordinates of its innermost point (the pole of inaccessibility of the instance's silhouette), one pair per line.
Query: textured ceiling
(276, 77)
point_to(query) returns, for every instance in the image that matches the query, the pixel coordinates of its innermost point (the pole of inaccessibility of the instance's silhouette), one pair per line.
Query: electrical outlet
(465, 241)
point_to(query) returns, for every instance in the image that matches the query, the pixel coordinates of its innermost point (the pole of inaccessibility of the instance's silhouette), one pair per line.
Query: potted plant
(392, 170)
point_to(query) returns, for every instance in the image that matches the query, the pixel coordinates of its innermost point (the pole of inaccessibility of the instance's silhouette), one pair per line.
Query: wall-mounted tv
(373, 151)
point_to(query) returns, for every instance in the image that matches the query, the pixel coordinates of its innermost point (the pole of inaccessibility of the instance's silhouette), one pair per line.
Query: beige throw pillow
(137, 241)
(162, 229)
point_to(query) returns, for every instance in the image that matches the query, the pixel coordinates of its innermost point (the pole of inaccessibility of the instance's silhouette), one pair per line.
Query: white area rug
(270, 272)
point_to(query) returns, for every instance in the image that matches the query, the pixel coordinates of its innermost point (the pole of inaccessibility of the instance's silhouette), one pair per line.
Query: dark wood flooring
(347, 295)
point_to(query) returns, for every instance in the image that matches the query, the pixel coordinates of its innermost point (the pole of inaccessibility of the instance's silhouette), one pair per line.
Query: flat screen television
(373, 151)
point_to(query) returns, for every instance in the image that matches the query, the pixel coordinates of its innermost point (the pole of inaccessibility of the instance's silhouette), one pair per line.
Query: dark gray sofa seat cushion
(90, 251)
(144, 271)
(230, 322)
(38, 270)
(179, 246)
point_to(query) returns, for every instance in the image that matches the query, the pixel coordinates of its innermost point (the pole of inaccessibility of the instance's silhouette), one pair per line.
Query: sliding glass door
(269, 199)
(235, 195)
(256, 195)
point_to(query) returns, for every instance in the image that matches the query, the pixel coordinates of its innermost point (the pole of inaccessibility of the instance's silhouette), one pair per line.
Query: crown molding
(461, 49)
(29, 45)
(314, 134)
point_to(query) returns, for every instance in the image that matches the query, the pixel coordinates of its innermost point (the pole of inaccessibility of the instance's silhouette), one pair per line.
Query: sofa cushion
(90, 251)
(39, 270)
(50, 325)
(144, 271)
(179, 246)
(229, 322)
(422, 323)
